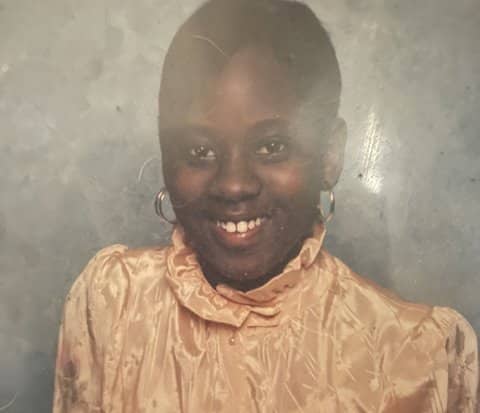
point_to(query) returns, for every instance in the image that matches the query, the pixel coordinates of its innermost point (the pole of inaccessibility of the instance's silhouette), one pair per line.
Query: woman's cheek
(288, 180)
(190, 183)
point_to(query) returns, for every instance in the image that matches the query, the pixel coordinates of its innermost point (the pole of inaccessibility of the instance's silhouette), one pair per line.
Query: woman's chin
(243, 273)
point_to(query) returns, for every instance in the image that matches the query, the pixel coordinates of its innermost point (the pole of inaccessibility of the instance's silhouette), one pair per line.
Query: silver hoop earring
(325, 218)
(159, 198)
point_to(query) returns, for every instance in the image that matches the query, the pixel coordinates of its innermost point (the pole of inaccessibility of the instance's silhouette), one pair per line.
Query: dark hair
(219, 28)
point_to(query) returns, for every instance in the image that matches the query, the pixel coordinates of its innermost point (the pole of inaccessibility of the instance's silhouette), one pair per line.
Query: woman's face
(242, 174)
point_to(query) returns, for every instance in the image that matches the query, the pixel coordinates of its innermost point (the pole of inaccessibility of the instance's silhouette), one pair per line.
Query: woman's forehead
(251, 87)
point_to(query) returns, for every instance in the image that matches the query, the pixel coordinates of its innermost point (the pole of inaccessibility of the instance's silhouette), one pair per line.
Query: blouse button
(232, 340)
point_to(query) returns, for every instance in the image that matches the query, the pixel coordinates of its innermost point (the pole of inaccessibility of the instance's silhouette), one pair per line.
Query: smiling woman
(245, 310)
(243, 133)
(236, 161)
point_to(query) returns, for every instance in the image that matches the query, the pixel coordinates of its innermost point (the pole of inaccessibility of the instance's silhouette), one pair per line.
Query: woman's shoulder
(379, 306)
(411, 340)
(117, 270)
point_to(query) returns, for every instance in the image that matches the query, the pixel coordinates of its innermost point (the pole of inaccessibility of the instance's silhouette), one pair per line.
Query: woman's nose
(235, 180)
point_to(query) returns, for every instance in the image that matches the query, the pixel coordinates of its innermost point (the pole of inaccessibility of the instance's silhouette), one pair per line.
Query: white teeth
(240, 227)
(231, 227)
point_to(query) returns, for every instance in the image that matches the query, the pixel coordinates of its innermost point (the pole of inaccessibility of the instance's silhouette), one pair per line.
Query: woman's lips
(239, 234)
(241, 227)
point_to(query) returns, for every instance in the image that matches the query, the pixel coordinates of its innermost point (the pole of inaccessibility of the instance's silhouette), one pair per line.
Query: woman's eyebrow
(275, 125)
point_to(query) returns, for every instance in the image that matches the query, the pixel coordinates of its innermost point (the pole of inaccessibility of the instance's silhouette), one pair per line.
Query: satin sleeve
(91, 308)
(463, 368)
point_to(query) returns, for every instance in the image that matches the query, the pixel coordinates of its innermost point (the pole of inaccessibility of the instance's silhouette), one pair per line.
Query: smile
(240, 227)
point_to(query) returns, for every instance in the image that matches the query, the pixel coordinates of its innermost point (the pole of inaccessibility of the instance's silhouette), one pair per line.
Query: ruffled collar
(223, 304)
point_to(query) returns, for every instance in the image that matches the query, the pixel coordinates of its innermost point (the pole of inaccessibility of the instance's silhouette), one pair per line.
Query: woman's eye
(203, 153)
(271, 148)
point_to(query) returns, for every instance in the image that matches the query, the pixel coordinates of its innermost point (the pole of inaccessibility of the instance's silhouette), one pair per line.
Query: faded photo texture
(80, 159)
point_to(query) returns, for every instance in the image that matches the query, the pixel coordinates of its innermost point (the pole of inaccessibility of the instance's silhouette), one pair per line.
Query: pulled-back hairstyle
(220, 28)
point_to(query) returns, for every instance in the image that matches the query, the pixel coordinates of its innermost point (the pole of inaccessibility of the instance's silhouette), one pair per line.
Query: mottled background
(78, 87)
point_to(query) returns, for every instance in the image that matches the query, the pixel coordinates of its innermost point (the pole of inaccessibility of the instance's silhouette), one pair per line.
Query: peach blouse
(144, 332)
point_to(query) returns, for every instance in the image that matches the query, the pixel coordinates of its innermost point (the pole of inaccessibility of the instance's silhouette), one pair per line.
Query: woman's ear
(332, 156)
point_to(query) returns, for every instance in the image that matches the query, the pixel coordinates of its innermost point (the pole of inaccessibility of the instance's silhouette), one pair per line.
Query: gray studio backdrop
(79, 154)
